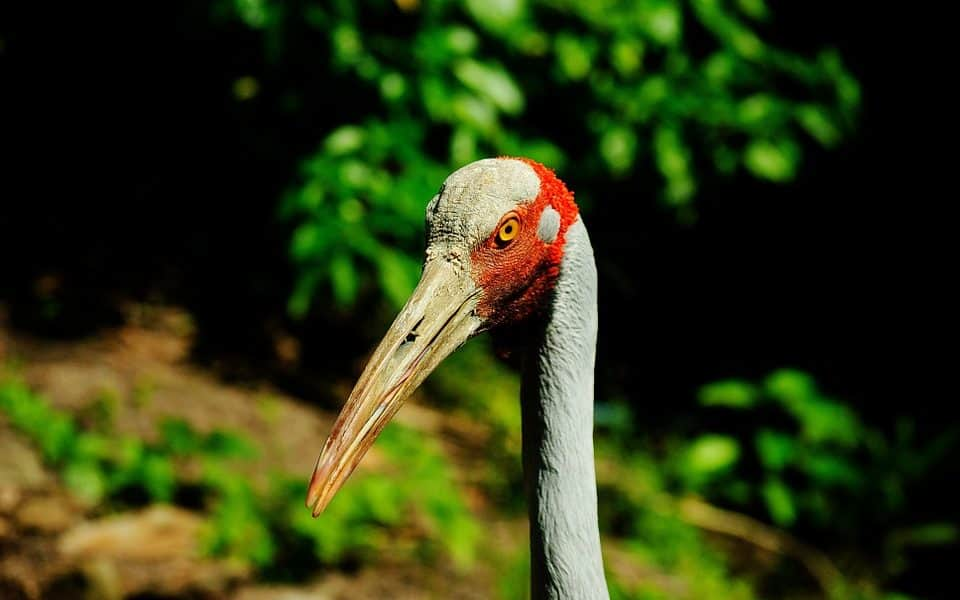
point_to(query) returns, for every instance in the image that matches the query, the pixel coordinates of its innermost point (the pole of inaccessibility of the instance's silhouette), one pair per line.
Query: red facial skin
(516, 277)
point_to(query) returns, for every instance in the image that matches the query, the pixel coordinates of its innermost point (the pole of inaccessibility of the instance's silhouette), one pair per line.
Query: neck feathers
(557, 405)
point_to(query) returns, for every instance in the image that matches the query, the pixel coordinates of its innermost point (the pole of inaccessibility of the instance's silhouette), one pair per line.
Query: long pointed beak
(437, 319)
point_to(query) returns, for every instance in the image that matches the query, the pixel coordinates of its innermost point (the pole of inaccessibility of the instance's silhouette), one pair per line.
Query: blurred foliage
(810, 463)
(265, 526)
(636, 506)
(491, 399)
(690, 88)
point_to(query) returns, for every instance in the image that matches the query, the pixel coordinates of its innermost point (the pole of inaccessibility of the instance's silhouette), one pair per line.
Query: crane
(506, 250)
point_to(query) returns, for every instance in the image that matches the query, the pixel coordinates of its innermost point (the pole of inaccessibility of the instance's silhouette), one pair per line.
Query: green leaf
(57, 437)
(393, 86)
(240, 529)
(461, 40)
(496, 15)
(179, 437)
(309, 241)
(712, 453)
(789, 385)
(90, 447)
(756, 9)
(618, 146)
(930, 534)
(626, 56)
(779, 501)
(344, 140)
(257, 14)
(343, 279)
(463, 146)
(127, 462)
(661, 21)
(719, 68)
(821, 419)
(673, 160)
(757, 110)
(776, 161)
(352, 210)
(475, 111)
(347, 44)
(731, 393)
(672, 154)
(831, 469)
(159, 478)
(776, 449)
(491, 81)
(86, 480)
(574, 55)
(353, 175)
(817, 122)
(746, 43)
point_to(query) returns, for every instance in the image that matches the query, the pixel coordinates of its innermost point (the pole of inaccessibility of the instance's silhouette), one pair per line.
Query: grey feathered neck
(557, 407)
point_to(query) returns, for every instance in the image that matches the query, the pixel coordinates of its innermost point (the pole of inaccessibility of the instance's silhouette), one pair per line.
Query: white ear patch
(549, 225)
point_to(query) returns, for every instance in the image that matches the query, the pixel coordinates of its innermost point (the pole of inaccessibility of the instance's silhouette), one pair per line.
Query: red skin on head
(516, 278)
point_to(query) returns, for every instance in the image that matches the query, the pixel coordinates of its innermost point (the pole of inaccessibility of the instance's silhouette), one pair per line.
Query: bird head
(495, 238)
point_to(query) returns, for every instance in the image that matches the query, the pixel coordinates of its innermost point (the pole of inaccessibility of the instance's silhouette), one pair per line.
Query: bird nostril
(414, 334)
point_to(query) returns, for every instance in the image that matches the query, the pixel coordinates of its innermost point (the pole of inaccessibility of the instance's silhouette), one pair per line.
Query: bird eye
(508, 230)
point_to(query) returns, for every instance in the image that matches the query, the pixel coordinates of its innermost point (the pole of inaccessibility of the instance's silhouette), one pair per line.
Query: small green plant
(808, 457)
(810, 463)
(248, 522)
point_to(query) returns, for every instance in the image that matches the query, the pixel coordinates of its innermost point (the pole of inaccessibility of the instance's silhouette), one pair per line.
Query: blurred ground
(52, 546)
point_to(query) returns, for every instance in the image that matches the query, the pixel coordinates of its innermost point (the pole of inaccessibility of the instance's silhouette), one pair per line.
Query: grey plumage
(557, 405)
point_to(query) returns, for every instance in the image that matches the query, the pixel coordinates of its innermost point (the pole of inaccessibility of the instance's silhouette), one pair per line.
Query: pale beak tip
(317, 502)
(314, 491)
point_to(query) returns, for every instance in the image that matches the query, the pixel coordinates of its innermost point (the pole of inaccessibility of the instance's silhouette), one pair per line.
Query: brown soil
(53, 547)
